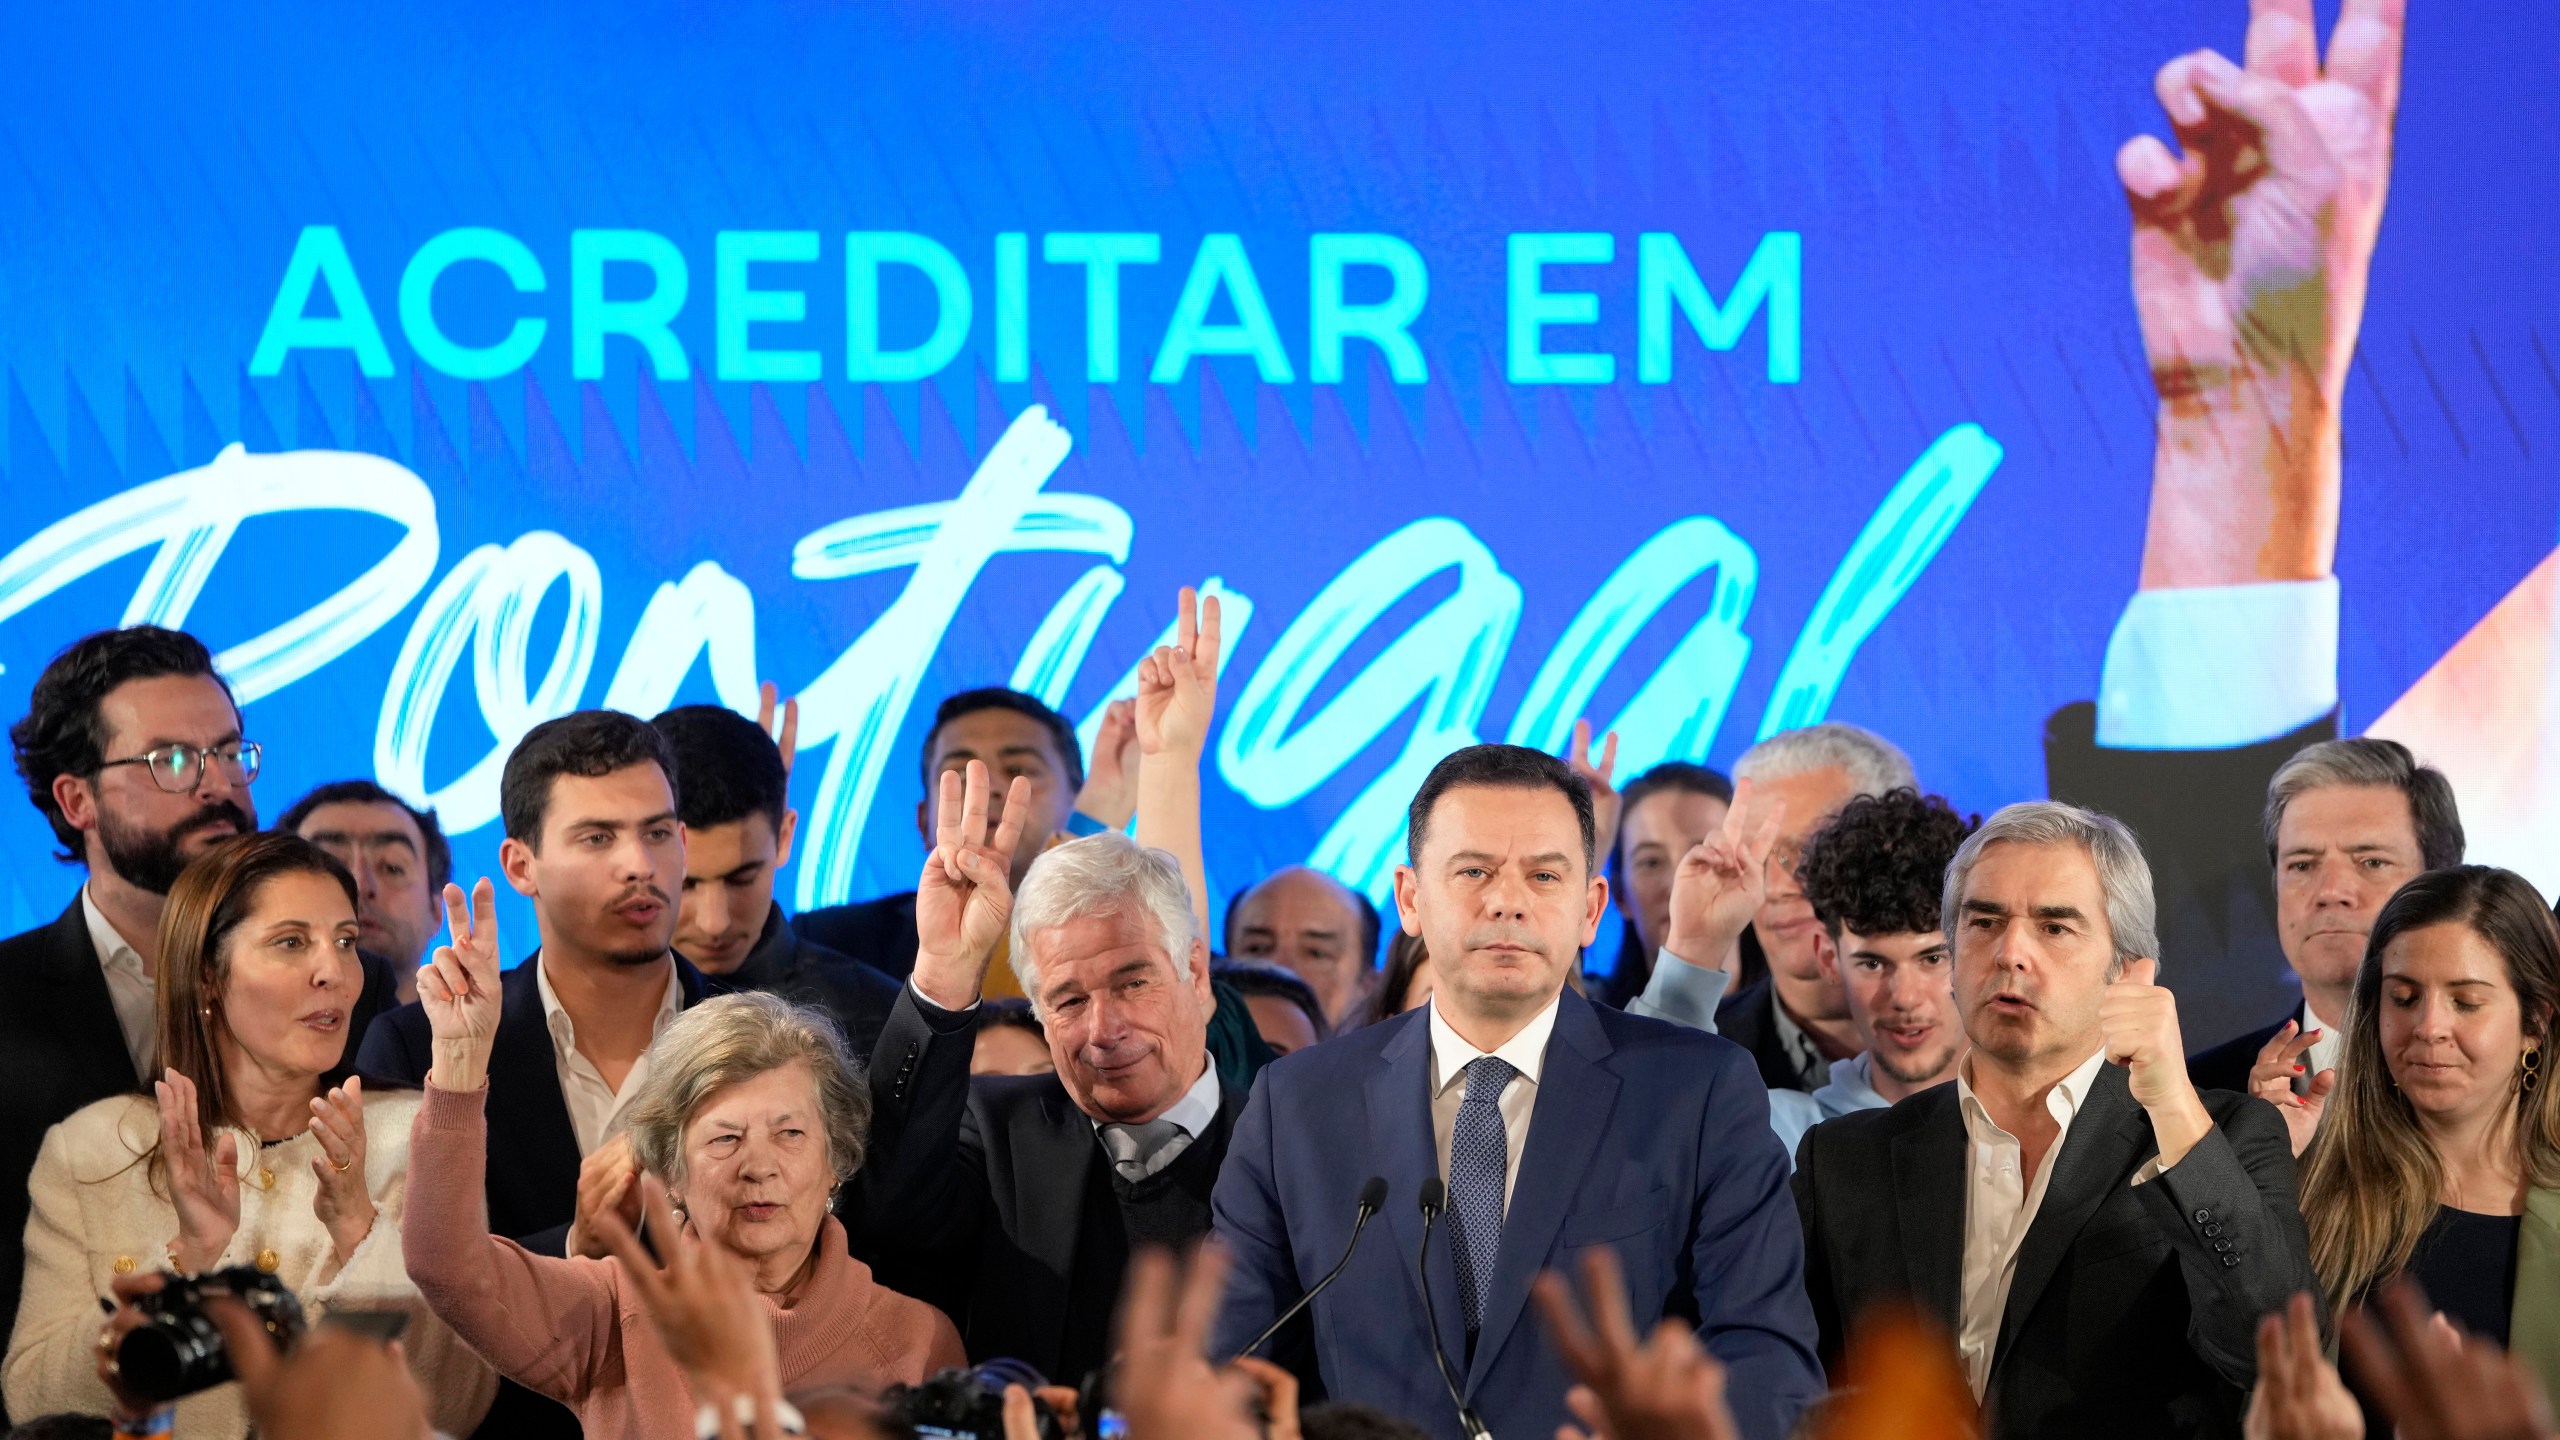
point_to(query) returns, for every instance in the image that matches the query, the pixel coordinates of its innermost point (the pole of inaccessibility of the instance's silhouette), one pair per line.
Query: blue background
(1949, 167)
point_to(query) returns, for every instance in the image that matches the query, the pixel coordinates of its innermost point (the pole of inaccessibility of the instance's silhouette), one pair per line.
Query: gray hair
(730, 1038)
(1099, 875)
(1873, 763)
(2123, 875)
(2381, 764)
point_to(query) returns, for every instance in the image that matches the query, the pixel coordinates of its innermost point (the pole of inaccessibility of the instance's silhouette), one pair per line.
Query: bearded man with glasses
(132, 750)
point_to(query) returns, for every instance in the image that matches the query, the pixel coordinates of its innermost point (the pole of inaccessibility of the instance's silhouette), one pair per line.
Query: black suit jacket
(532, 1183)
(2197, 813)
(977, 1196)
(2226, 1066)
(801, 970)
(2134, 1309)
(880, 933)
(1749, 1018)
(61, 1048)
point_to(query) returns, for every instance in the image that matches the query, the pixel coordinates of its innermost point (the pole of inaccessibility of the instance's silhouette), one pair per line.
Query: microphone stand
(1373, 1197)
(1435, 1194)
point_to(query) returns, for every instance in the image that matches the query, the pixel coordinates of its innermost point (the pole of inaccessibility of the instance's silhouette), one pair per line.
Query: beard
(150, 860)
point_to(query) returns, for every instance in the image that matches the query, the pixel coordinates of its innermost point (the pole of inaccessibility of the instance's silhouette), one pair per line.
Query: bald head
(1308, 922)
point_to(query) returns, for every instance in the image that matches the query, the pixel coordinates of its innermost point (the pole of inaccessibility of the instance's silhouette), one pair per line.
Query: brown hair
(1405, 958)
(2371, 1178)
(212, 897)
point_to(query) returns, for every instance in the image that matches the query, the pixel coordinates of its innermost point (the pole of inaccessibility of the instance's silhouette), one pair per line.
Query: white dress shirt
(2324, 1052)
(595, 1108)
(129, 987)
(1193, 1114)
(2212, 666)
(1525, 1052)
(2000, 1203)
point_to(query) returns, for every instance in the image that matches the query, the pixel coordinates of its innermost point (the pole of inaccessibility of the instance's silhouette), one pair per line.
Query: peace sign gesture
(1178, 684)
(1720, 884)
(458, 988)
(964, 899)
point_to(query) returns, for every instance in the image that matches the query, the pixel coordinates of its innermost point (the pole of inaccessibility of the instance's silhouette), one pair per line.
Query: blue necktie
(1479, 1154)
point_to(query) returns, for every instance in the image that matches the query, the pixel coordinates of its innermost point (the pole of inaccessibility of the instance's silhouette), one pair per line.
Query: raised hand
(2271, 1080)
(1720, 883)
(458, 988)
(2436, 1383)
(334, 1385)
(204, 1181)
(964, 899)
(342, 1202)
(2299, 1395)
(1165, 1387)
(1178, 684)
(1110, 793)
(788, 737)
(1604, 796)
(2250, 256)
(1666, 1387)
(702, 1297)
(2140, 1022)
(608, 1184)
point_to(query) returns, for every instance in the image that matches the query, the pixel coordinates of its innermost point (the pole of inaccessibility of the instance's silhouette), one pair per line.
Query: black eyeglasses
(179, 768)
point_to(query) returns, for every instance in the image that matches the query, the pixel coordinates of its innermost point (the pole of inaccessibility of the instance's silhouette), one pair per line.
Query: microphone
(1373, 1198)
(1435, 1198)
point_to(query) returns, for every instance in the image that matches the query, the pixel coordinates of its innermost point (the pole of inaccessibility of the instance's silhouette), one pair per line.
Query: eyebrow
(963, 752)
(1551, 857)
(2040, 912)
(640, 824)
(367, 837)
(164, 741)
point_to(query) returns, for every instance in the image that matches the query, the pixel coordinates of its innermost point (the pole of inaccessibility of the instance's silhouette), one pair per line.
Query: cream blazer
(97, 1214)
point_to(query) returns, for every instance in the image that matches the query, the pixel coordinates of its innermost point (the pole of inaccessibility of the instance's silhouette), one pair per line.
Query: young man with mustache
(589, 805)
(132, 750)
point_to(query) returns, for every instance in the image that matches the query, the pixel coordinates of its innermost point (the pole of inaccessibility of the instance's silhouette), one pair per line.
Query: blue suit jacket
(1646, 1136)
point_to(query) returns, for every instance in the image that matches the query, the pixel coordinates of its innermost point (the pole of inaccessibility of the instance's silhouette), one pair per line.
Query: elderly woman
(751, 1118)
(2440, 1157)
(250, 1153)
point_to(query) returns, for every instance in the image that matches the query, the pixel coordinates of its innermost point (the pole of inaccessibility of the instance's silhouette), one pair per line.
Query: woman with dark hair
(2440, 1157)
(256, 1149)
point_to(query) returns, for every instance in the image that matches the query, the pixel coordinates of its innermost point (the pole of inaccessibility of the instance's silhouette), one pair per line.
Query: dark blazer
(1646, 1137)
(61, 1048)
(805, 972)
(2226, 1066)
(979, 1196)
(2197, 813)
(1749, 1018)
(880, 933)
(2134, 1310)
(532, 1183)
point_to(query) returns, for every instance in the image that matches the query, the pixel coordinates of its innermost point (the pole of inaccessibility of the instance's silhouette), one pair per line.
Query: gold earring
(2529, 1070)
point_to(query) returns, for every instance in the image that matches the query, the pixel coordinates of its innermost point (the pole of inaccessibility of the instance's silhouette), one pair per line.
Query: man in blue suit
(1556, 1125)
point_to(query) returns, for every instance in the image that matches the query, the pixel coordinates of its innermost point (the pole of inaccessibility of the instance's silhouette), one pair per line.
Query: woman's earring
(2529, 1070)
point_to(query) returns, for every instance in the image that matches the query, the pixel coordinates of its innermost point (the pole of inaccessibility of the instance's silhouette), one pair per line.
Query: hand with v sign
(964, 899)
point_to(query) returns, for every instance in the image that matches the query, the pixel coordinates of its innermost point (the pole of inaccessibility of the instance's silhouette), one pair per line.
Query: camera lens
(170, 1357)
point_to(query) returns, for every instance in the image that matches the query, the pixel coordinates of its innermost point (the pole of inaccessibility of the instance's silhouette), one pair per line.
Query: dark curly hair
(62, 733)
(1878, 866)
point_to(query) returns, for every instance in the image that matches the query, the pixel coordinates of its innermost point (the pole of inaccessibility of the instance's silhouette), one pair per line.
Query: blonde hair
(731, 1038)
(2371, 1180)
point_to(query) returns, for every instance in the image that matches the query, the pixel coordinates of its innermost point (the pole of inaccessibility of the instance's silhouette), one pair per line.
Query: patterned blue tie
(1479, 1153)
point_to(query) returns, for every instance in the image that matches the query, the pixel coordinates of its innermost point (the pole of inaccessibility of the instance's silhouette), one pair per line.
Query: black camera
(967, 1404)
(178, 1350)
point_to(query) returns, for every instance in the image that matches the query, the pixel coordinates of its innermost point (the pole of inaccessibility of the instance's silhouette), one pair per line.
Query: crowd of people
(1881, 1122)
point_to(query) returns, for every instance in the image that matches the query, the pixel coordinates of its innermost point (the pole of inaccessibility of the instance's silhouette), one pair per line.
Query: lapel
(86, 1009)
(524, 1068)
(1576, 1092)
(1052, 1166)
(1929, 1205)
(1397, 1096)
(2109, 1139)
(2533, 1327)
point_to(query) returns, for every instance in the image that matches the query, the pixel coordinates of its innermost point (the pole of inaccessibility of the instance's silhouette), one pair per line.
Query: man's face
(1128, 1022)
(1902, 999)
(1305, 921)
(145, 834)
(2033, 953)
(2340, 852)
(382, 846)
(1281, 1024)
(728, 889)
(1501, 897)
(605, 877)
(1789, 934)
(1652, 837)
(1010, 744)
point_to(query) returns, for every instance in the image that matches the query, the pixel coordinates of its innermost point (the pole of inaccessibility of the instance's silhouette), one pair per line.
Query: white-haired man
(1014, 1202)
(1796, 1022)
(2099, 1237)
